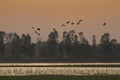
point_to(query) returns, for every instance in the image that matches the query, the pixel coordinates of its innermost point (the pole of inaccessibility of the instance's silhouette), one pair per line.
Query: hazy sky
(20, 15)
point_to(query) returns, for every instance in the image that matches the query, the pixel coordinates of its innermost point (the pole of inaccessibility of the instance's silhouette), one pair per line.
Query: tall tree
(81, 36)
(94, 41)
(52, 43)
(26, 45)
(13, 45)
(2, 46)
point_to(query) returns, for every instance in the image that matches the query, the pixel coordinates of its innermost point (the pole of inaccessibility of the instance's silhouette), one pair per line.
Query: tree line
(73, 47)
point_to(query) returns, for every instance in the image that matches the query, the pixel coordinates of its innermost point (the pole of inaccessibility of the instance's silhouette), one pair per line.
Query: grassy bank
(60, 78)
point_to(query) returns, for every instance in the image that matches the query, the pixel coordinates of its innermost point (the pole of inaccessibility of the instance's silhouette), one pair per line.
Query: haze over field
(20, 15)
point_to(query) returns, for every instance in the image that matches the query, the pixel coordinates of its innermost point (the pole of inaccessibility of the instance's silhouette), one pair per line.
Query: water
(8, 70)
(53, 64)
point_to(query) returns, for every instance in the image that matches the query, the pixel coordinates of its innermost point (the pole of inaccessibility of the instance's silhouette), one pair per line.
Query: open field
(60, 78)
(74, 69)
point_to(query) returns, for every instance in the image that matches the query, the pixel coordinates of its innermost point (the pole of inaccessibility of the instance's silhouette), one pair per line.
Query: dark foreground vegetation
(73, 47)
(60, 78)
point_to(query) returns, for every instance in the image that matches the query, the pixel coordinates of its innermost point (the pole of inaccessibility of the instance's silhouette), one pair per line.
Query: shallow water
(21, 71)
(40, 64)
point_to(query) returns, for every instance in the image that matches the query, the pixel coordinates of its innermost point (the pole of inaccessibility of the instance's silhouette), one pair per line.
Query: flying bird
(32, 27)
(72, 23)
(104, 24)
(79, 21)
(38, 29)
(54, 29)
(63, 25)
(38, 34)
(67, 22)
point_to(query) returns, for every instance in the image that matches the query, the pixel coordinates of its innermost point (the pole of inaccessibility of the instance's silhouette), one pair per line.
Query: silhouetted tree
(26, 45)
(73, 47)
(81, 36)
(13, 45)
(2, 46)
(106, 46)
(94, 41)
(52, 43)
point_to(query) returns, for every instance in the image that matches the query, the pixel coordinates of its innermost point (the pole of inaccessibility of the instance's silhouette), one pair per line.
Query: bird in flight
(32, 27)
(104, 24)
(54, 29)
(38, 29)
(79, 21)
(67, 22)
(37, 33)
(72, 23)
(63, 25)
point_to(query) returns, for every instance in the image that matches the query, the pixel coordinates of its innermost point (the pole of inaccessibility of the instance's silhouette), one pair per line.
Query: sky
(20, 15)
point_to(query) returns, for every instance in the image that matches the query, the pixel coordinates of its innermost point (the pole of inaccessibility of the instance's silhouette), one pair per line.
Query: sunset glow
(20, 15)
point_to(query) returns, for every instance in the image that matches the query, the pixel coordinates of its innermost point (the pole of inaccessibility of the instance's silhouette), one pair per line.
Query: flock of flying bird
(37, 29)
(72, 23)
(78, 23)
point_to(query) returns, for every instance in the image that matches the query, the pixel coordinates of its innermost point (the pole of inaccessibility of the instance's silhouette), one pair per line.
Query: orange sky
(20, 15)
